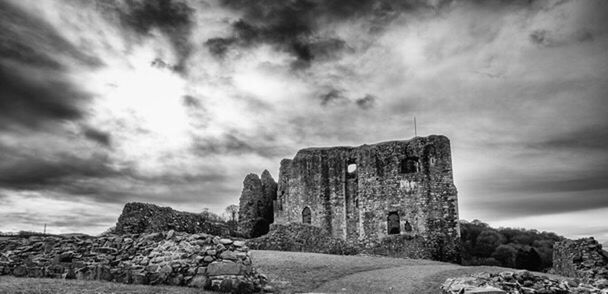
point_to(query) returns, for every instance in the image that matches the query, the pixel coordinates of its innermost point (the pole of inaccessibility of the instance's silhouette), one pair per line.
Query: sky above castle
(174, 102)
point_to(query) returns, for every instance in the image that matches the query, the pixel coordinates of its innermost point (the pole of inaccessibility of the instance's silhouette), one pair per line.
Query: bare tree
(232, 212)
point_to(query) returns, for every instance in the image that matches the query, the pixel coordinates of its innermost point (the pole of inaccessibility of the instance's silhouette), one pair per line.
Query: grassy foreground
(291, 272)
(15, 285)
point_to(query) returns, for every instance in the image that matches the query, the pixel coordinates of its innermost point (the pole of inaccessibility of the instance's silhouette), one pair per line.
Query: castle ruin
(368, 193)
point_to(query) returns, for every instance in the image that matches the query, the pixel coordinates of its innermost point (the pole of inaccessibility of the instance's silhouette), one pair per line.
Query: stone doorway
(306, 215)
(392, 223)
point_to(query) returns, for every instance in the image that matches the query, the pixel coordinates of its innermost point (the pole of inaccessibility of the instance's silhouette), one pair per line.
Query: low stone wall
(137, 218)
(171, 258)
(519, 282)
(583, 259)
(400, 246)
(301, 237)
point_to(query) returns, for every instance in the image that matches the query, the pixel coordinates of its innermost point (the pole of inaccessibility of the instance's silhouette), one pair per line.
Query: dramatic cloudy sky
(174, 102)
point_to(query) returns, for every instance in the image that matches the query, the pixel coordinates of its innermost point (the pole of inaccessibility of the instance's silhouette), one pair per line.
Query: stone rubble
(170, 258)
(583, 259)
(137, 218)
(520, 282)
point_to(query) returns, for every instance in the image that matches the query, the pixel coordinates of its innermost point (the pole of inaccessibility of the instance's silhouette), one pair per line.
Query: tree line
(507, 247)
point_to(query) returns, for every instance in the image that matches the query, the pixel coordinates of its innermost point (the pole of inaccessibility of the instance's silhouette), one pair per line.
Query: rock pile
(301, 237)
(137, 218)
(583, 259)
(171, 258)
(519, 282)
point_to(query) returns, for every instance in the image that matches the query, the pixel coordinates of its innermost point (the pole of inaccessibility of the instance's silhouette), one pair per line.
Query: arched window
(409, 165)
(351, 169)
(392, 223)
(306, 215)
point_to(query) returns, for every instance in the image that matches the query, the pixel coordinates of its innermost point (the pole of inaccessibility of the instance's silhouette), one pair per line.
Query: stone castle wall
(137, 218)
(402, 187)
(171, 258)
(582, 258)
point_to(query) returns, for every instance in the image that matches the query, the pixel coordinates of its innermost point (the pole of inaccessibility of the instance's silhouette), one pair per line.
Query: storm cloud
(173, 102)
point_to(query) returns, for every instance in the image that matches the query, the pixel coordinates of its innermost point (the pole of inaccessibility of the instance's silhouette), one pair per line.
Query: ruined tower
(364, 194)
(255, 207)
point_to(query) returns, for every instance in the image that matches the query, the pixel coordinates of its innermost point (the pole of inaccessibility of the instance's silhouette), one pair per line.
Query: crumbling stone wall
(301, 238)
(582, 258)
(171, 258)
(255, 204)
(367, 193)
(137, 218)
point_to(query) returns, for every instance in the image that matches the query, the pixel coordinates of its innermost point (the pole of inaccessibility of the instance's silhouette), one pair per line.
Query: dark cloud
(515, 205)
(332, 96)
(338, 97)
(34, 88)
(28, 40)
(293, 26)
(546, 38)
(31, 172)
(32, 102)
(98, 136)
(219, 46)
(584, 139)
(190, 101)
(366, 102)
(229, 144)
(172, 18)
(566, 181)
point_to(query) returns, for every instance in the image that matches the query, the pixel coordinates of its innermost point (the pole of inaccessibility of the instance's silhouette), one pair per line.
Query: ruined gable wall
(314, 179)
(256, 204)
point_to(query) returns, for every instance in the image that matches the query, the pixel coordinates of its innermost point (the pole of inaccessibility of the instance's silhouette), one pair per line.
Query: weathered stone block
(221, 268)
(200, 281)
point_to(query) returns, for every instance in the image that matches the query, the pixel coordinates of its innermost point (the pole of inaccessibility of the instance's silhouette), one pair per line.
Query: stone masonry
(367, 193)
(139, 218)
(255, 204)
(582, 258)
(170, 258)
